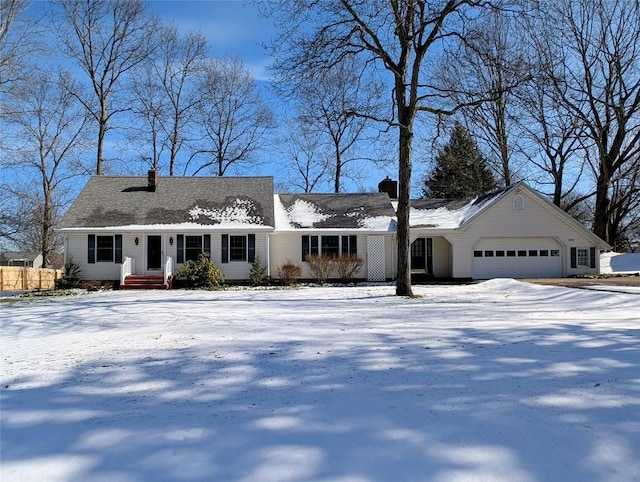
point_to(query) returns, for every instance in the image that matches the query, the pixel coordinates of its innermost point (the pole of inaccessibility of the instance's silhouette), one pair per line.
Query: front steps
(145, 282)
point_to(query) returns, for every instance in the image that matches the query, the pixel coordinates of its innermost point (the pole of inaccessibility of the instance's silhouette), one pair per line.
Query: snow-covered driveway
(497, 381)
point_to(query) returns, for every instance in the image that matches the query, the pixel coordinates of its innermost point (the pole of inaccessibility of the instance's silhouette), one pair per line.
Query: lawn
(495, 381)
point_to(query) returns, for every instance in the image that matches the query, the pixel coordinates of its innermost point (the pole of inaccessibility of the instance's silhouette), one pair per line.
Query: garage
(517, 258)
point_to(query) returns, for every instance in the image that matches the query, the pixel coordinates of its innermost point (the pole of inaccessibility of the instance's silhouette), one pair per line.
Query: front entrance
(422, 256)
(154, 253)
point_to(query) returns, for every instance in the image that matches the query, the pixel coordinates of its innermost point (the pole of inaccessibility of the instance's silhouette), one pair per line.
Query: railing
(168, 268)
(127, 268)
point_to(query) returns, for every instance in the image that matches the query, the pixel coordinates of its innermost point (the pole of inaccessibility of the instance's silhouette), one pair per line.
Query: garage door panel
(517, 258)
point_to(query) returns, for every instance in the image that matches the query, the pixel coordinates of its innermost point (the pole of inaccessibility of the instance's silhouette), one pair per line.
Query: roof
(363, 211)
(225, 202)
(448, 213)
(19, 255)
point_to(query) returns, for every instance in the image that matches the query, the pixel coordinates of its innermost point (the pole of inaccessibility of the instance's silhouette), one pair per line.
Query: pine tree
(460, 169)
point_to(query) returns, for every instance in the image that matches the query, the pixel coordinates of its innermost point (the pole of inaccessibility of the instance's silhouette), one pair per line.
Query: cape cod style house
(135, 229)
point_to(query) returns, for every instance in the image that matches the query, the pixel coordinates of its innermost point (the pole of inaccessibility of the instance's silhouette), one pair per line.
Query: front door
(422, 255)
(154, 253)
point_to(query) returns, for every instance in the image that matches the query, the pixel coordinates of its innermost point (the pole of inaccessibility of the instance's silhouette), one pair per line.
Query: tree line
(549, 91)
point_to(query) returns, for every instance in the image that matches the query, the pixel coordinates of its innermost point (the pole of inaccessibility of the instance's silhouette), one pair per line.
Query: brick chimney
(389, 186)
(153, 180)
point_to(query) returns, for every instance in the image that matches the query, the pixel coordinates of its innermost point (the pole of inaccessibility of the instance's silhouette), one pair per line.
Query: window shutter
(251, 248)
(117, 251)
(574, 258)
(91, 251)
(353, 245)
(314, 246)
(180, 254)
(207, 245)
(592, 257)
(305, 247)
(345, 246)
(225, 248)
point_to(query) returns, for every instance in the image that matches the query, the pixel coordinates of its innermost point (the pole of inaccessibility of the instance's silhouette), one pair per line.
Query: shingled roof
(367, 211)
(448, 213)
(128, 201)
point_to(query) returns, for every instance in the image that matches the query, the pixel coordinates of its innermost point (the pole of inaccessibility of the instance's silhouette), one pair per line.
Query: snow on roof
(443, 217)
(238, 212)
(305, 214)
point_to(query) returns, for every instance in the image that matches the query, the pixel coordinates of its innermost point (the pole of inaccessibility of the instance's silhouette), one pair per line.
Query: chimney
(153, 180)
(389, 186)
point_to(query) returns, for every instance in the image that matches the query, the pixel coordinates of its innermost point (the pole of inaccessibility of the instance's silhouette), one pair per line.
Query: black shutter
(305, 247)
(225, 248)
(574, 258)
(91, 248)
(344, 251)
(314, 246)
(592, 257)
(180, 253)
(117, 251)
(251, 248)
(207, 245)
(353, 245)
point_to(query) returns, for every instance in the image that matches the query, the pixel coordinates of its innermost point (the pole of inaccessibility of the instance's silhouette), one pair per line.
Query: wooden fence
(15, 278)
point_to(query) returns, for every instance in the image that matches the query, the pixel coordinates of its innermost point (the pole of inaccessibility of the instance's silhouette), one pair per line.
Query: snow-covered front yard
(496, 381)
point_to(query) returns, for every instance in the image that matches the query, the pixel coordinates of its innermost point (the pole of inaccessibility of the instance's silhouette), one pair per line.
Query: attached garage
(517, 258)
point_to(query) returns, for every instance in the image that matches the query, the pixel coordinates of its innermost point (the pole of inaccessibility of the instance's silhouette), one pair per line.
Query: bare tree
(597, 77)
(398, 39)
(16, 40)
(306, 157)
(327, 106)
(48, 134)
(232, 116)
(107, 38)
(491, 59)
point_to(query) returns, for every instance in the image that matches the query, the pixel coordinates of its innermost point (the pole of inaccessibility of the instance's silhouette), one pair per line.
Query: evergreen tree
(460, 169)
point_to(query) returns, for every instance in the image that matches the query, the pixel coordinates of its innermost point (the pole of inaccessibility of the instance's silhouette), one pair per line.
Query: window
(533, 252)
(237, 248)
(104, 248)
(555, 252)
(329, 246)
(518, 203)
(192, 248)
(477, 254)
(522, 252)
(189, 248)
(488, 254)
(544, 252)
(583, 257)
(500, 254)
(511, 253)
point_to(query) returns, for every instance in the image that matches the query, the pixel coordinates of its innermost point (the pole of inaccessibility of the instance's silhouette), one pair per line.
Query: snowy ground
(496, 381)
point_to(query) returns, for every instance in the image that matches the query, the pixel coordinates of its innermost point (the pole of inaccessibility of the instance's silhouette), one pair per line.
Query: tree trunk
(102, 131)
(403, 282)
(601, 218)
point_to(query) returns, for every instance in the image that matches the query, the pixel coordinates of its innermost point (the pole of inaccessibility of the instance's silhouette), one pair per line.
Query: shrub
(288, 273)
(320, 267)
(347, 266)
(70, 276)
(198, 274)
(258, 273)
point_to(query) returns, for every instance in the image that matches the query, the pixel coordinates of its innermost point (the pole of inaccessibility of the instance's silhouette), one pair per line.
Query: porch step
(145, 282)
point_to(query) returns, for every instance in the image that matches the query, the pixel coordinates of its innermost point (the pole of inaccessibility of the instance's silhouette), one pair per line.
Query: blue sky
(233, 28)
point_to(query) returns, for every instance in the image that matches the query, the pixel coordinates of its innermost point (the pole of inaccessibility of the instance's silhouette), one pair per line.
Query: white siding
(536, 220)
(285, 247)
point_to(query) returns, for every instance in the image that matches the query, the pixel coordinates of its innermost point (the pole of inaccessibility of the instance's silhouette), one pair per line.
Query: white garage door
(517, 258)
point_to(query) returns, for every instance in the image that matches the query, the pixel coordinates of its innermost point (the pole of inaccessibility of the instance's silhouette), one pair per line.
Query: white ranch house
(124, 229)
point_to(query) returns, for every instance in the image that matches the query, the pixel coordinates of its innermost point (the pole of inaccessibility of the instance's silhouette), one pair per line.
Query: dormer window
(518, 203)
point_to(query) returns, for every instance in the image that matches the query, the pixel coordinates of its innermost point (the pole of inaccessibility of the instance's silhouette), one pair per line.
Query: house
(335, 224)
(121, 228)
(514, 232)
(19, 258)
